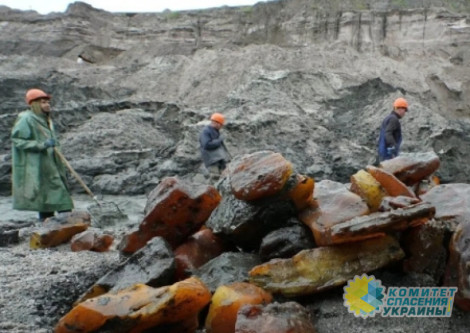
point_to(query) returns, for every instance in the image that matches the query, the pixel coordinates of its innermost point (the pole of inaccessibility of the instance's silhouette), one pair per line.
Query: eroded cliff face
(309, 79)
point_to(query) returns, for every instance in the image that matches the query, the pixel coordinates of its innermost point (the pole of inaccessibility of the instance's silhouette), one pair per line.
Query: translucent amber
(302, 193)
(138, 308)
(55, 234)
(392, 185)
(334, 204)
(259, 175)
(410, 168)
(315, 270)
(226, 302)
(175, 210)
(364, 185)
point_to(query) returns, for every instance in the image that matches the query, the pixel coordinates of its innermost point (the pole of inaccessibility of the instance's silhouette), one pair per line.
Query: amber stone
(51, 235)
(89, 240)
(138, 308)
(377, 224)
(452, 202)
(226, 302)
(424, 246)
(102, 243)
(334, 204)
(196, 251)
(391, 184)
(369, 189)
(259, 175)
(176, 209)
(458, 267)
(302, 192)
(315, 270)
(83, 241)
(287, 317)
(389, 203)
(410, 168)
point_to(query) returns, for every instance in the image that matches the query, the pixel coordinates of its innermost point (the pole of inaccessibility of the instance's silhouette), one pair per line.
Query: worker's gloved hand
(221, 137)
(49, 143)
(391, 152)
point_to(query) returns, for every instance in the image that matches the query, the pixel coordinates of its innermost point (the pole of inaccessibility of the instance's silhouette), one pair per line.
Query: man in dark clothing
(390, 132)
(214, 154)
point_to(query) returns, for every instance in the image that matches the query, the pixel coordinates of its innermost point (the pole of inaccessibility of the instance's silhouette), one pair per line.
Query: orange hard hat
(400, 103)
(217, 117)
(34, 94)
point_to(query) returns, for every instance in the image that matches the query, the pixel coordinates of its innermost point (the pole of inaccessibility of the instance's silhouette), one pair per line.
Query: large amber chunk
(391, 184)
(259, 175)
(137, 308)
(424, 246)
(452, 202)
(458, 267)
(226, 302)
(369, 189)
(59, 229)
(199, 249)
(410, 168)
(91, 240)
(376, 224)
(334, 204)
(174, 211)
(315, 270)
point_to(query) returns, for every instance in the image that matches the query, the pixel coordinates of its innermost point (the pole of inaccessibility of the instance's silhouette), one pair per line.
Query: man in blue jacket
(390, 132)
(213, 151)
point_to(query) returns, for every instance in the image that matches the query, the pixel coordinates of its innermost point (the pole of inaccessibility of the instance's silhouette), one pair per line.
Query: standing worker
(38, 175)
(390, 132)
(214, 153)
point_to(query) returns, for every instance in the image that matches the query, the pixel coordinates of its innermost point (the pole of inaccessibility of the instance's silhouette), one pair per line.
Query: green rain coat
(38, 175)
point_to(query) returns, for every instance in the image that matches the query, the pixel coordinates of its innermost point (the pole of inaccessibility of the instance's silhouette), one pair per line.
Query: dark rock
(245, 223)
(227, 268)
(285, 242)
(153, 265)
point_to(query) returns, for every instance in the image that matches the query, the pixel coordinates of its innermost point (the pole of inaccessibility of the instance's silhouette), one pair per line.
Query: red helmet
(217, 117)
(34, 94)
(400, 103)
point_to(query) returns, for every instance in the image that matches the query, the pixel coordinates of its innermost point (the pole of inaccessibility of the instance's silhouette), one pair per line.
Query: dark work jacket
(390, 135)
(212, 146)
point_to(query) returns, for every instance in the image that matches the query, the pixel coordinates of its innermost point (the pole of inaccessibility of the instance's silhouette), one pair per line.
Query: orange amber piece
(83, 241)
(410, 168)
(302, 193)
(138, 308)
(226, 302)
(199, 249)
(392, 185)
(259, 175)
(55, 234)
(334, 204)
(103, 243)
(177, 209)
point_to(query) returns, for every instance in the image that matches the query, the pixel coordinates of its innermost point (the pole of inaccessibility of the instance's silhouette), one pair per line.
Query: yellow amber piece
(369, 189)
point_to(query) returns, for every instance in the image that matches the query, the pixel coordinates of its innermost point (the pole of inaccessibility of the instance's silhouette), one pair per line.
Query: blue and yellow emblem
(363, 296)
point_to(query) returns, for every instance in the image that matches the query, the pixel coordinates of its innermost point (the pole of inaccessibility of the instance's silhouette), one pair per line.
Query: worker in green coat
(39, 181)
